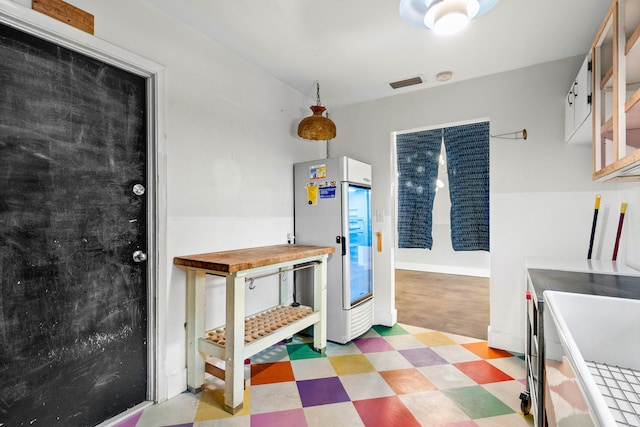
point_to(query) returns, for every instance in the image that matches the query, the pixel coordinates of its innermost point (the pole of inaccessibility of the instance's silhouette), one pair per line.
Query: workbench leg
(195, 329)
(320, 305)
(234, 355)
(284, 286)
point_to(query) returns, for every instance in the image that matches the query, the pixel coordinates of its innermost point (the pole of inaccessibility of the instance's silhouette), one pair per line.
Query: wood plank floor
(444, 302)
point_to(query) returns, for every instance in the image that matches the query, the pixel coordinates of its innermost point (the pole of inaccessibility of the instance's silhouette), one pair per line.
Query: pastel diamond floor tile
(406, 381)
(414, 329)
(388, 360)
(512, 420)
(267, 373)
(211, 405)
(384, 412)
(321, 391)
(433, 339)
(483, 350)
(404, 342)
(398, 376)
(351, 364)
(365, 386)
(434, 408)
(276, 353)
(129, 421)
(461, 424)
(455, 353)
(303, 351)
(177, 410)
(477, 402)
(460, 339)
(342, 414)
(507, 391)
(423, 357)
(369, 334)
(512, 366)
(306, 369)
(482, 372)
(334, 349)
(390, 331)
(446, 376)
(374, 344)
(236, 421)
(274, 397)
(290, 418)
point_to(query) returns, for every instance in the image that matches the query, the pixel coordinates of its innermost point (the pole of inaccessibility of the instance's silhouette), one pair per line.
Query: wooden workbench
(229, 342)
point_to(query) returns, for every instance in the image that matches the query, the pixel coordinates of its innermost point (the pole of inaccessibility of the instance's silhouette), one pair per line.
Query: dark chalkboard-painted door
(73, 303)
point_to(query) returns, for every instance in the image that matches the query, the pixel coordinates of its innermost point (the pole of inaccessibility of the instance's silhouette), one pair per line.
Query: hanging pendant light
(317, 127)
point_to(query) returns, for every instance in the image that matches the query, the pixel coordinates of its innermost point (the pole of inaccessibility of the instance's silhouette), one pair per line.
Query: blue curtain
(417, 158)
(467, 149)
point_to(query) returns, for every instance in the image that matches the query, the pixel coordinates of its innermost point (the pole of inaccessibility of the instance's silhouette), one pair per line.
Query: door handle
(343, 240)
(139, 256)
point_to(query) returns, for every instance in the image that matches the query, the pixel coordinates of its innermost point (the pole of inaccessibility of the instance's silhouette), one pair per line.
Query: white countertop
(581, 265)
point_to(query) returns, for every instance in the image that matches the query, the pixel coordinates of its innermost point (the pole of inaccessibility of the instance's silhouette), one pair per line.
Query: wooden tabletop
(244, 259)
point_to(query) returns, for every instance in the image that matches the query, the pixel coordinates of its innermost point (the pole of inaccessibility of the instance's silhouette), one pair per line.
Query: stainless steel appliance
(333, 208)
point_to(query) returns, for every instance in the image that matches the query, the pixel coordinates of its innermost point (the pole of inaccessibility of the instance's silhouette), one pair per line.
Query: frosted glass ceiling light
(450, 16)
(443, 16)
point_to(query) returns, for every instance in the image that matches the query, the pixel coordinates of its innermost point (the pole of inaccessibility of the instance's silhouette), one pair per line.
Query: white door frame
(39, 25)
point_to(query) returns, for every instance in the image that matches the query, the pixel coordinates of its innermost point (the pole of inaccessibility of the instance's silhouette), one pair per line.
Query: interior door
(73, 232)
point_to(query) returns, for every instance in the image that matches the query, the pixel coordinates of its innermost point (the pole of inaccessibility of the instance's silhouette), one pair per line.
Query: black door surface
(73, 303)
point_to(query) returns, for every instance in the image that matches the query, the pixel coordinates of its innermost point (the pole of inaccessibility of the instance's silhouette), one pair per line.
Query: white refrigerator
(333, 208)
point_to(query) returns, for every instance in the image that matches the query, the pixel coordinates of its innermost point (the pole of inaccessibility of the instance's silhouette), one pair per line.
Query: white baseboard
(444, 269)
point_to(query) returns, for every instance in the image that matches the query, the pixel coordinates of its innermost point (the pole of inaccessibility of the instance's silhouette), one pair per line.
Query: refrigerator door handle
(343, 240)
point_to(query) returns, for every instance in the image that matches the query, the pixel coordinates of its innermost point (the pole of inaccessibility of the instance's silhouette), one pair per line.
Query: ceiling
(355, 48)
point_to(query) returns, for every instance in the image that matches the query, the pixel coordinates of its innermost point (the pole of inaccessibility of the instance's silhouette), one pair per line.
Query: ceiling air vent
(404, 83)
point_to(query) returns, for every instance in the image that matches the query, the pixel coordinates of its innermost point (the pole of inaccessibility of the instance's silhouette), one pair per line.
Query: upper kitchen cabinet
(577, 106)
(616, 93)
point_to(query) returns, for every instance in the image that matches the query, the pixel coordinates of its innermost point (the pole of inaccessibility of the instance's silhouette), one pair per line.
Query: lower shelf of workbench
(262, 330)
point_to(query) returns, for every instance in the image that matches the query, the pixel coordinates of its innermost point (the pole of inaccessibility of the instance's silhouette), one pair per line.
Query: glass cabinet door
(358, 263)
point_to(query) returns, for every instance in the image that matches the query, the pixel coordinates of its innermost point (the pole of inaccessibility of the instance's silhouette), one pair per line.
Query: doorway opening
(437, 262)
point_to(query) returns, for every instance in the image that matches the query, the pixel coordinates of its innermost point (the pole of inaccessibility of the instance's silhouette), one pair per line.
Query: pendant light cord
(318, 93)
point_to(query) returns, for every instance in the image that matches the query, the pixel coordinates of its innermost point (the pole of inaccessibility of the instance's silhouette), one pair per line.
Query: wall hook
(521, 134)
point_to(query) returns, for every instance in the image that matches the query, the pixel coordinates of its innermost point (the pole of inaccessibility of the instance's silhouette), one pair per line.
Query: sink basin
(598, 333)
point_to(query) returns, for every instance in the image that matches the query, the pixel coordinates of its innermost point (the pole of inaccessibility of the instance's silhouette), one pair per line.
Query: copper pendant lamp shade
(317, 127)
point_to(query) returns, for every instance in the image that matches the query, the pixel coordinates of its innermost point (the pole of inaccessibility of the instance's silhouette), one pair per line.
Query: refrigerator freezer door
(357, 267)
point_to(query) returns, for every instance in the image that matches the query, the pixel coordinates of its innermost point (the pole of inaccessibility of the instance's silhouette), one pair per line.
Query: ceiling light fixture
(317, 127)
(443, 16)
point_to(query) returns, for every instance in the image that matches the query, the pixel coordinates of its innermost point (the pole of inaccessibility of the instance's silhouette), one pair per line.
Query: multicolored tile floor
(400, 376)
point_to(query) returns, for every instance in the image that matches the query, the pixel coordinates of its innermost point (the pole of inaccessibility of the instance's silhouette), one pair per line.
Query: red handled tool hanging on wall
(623, 209)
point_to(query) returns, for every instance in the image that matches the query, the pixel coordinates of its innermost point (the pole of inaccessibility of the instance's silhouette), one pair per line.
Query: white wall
(542, 195)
